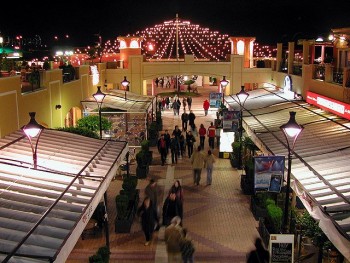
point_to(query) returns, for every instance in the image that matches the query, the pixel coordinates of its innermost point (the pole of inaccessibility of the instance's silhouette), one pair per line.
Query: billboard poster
(268, 173)
(215, 99)
(281, 248)
(337, 107)
(231, 121)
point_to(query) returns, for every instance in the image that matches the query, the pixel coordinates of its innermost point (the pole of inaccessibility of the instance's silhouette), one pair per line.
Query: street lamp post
(242, 97)
(291, 131)
(32, 130)
(99, 97)
(223, 83)
(125, 83)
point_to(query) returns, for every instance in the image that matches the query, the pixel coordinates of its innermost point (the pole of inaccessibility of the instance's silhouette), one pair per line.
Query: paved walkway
(217, 217)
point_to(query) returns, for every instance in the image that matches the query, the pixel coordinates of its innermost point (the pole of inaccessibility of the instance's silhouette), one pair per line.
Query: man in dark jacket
(191, 118)
(184, 119)
(174, 148)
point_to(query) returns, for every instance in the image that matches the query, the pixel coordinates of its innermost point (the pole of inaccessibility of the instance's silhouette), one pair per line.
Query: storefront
(129, 113)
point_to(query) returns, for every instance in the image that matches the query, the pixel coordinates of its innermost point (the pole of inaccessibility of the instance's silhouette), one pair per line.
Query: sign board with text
(281, 248)
(337, 107)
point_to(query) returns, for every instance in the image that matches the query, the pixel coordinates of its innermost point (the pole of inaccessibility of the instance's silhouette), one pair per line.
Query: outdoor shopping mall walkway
(217, 217)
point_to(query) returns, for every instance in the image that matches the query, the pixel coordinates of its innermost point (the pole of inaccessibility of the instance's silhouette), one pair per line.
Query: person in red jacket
(202, 132)
(206, 106)
(211, 135)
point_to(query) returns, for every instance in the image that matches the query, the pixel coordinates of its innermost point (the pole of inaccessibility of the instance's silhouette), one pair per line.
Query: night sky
(270, 21)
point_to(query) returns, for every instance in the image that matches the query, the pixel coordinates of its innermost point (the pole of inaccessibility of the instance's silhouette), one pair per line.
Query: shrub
(275, 214)
(92, 123)
(95, 259)
(122, 204)
(80, 131)
(104, 253)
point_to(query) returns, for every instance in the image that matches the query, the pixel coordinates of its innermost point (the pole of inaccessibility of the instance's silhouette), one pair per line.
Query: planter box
(142, 173)
(247, 184)
(124, 225)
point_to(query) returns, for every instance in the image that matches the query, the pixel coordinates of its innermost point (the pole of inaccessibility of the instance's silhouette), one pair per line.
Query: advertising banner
(281, 248)
(215, 99)
(337, 107)
(231, 121)
(268, 173)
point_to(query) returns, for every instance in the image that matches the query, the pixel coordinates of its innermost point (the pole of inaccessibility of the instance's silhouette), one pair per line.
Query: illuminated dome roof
(159, 42)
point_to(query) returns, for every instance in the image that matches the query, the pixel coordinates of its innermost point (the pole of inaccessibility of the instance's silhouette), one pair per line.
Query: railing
(338, 77)
(298, 70)
(319, 72)
(264, 233)
(284, 67)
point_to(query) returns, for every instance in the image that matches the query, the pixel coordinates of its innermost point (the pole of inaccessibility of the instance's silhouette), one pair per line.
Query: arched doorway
(71, 118)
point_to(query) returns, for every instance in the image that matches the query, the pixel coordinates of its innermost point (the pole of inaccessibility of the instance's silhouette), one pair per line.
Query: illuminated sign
(328, 104)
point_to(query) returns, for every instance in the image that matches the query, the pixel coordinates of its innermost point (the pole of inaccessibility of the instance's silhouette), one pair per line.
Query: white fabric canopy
(53, 204)
(121, 100)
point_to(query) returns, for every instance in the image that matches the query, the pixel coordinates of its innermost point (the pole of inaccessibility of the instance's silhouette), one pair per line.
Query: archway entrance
(72, 116)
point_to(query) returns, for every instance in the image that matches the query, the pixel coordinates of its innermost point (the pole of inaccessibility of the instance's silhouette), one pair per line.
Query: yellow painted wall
(15, 106)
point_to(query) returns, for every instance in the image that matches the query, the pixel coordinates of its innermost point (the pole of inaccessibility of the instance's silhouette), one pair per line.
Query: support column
(279, 57)
(322, 53)
(306, 52)
(106, 221)
(290, 57)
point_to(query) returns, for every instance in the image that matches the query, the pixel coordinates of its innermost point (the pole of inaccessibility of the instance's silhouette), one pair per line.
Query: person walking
(197, 161)
(191, 118)
(174, 149)
(149, 219)
(177, 133)
(162, 149)
(211, 135)
(190, 140)
(152, 191)
(189, 103)
(177, 189)
(172, 207)
(173, 236)
(206, 106)
(187, 248)
(184, 103)
(184, 120)
(260, 254)
(167, 141)
(175, 106)
(209, 164)
(202, 132)
(182, 144)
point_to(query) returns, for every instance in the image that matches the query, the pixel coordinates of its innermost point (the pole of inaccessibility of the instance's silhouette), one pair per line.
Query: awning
(121, 100)
(320, 165)
(43, 212)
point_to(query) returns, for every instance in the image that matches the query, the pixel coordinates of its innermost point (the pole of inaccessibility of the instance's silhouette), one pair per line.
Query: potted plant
(309, 228)
(129, 189)
(153, 133)
(143, 159)
(275, 215)
(124, 217)
(258, 204)
(159, 120)
(234, 156)
(104, 253)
